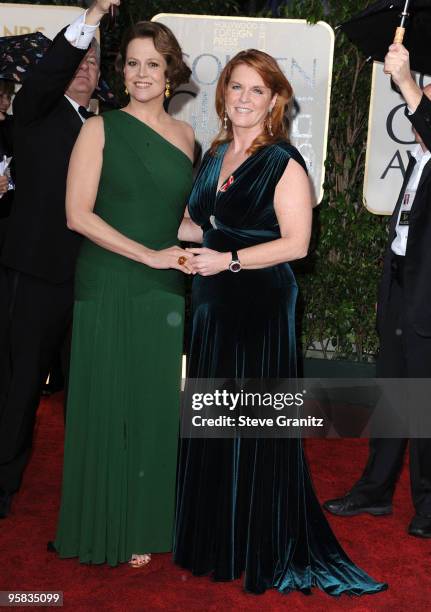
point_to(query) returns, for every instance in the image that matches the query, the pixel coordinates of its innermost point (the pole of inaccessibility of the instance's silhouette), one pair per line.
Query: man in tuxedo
(403, 318)
(39, 251)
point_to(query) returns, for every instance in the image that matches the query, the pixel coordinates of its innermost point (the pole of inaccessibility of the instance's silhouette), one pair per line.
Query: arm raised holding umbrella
(397, 64)
(372, 29)
(410, 20)
(63, 69)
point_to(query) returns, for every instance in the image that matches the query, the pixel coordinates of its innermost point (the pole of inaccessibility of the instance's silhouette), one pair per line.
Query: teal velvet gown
(247, 506)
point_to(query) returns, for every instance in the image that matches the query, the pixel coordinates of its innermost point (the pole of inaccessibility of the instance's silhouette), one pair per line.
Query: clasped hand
(170, 258)
(208, 262)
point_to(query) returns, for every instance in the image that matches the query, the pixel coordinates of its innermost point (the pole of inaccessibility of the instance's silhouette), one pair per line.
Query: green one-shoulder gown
(123, 402)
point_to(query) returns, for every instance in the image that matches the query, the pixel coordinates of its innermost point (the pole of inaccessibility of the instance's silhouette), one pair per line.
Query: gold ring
(182, 260)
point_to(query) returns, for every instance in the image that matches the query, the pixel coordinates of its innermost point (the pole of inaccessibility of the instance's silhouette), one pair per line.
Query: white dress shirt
(80, 35)
(399, 244)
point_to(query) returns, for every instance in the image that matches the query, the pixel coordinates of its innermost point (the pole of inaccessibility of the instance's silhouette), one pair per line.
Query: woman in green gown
(129, 178)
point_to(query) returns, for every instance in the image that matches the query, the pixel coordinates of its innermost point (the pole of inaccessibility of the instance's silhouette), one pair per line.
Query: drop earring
(270, 122)
(168, 89)
(225, 120)
(126, 91)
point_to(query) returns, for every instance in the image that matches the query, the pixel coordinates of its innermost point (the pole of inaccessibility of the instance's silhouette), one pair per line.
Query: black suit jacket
(417, 266)
(46, 126)
(6, 136)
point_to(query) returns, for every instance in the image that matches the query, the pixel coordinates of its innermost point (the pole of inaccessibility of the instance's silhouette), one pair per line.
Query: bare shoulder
(93, 131)
(294, 185)
(294, 170)
(294, 177)
(94, 123)
(183, 136)
(184, 129)
(188, 130)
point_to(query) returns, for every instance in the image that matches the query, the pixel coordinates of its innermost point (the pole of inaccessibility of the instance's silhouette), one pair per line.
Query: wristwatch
(235, 264)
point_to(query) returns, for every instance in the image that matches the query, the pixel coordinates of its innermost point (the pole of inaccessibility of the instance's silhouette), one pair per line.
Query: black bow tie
(85, 114)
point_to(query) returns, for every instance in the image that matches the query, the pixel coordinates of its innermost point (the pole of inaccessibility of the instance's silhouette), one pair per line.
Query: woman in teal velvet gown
(129, 178)
(247, 506)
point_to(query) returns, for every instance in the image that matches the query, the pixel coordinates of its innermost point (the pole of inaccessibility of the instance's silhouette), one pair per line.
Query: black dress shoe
(420, 526)
(51, 388)
(351, 505)
(5, 503)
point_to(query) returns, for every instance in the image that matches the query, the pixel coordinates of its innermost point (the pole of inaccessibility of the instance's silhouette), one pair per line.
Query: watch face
(235, 266)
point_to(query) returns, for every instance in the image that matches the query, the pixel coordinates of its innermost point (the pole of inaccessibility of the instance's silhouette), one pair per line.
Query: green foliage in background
(339, 280)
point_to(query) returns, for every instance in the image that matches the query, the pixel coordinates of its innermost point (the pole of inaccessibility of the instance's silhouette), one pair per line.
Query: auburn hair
(166, 44)
(271, 74)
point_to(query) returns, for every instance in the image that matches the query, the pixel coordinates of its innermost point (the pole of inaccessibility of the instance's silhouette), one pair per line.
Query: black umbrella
(372, 30)
(18, 54)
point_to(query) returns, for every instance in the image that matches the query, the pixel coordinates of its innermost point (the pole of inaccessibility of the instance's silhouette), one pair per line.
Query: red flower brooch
(227, 183)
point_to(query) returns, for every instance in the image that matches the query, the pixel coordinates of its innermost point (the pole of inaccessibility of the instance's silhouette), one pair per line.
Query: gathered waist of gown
(246, 236)
(223, 238)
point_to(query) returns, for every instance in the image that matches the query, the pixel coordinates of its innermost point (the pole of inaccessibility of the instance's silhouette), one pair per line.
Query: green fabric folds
(123, 403)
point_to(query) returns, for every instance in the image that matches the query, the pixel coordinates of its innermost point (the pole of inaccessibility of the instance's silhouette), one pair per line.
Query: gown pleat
(123, 402)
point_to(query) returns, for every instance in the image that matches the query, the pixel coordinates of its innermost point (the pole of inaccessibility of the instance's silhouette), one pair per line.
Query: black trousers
(35, 318)
(403, 354)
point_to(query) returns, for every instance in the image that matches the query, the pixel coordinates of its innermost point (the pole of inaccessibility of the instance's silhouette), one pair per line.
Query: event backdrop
(304, 52)
(390, 141)
(25, 18)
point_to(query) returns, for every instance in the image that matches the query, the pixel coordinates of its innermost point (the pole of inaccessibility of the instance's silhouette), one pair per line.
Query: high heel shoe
(138, 561)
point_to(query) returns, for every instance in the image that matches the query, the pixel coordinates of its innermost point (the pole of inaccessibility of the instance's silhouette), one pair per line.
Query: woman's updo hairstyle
(166, 44)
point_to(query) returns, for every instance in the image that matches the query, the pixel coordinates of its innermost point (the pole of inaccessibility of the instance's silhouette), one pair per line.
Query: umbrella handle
(399, 35)
(401, 30)
(113, 13)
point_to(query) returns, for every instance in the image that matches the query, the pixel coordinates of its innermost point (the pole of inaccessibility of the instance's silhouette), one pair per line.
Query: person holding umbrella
(403, 317)
(39, 252)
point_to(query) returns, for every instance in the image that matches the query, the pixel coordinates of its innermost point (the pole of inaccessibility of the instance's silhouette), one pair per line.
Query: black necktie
(85, 114)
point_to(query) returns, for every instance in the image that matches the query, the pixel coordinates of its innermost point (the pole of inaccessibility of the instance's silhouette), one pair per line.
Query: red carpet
(379, 545)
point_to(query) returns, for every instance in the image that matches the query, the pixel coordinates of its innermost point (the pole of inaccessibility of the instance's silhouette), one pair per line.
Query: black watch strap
(235, 264)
